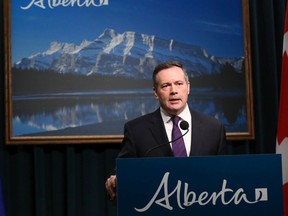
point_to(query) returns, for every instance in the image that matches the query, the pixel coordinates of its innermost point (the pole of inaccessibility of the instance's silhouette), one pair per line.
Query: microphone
(184, 125)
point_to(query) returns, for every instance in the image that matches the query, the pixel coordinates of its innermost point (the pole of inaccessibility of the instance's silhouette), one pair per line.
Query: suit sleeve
(128, 149)
(222, 150)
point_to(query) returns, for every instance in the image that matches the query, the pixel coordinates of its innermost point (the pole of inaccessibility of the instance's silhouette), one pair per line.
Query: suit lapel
(159, 133)
(196, 133)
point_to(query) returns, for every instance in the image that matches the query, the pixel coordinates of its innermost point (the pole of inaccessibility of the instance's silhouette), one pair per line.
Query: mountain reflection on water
(41, 113)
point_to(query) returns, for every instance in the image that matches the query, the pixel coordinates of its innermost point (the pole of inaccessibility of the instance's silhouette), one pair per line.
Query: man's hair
(166, 65)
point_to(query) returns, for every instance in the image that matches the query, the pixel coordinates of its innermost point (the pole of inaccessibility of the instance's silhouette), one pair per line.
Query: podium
(210, 185)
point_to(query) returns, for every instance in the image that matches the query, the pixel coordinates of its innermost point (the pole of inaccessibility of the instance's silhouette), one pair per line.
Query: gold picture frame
(21, 105)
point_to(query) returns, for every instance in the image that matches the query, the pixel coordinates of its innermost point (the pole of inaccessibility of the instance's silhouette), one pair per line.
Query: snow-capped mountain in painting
(127, 54)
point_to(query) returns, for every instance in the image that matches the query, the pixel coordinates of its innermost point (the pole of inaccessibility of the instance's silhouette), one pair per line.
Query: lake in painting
(37, 114)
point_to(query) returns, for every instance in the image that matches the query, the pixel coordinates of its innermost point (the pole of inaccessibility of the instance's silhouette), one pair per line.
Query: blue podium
(211, 185)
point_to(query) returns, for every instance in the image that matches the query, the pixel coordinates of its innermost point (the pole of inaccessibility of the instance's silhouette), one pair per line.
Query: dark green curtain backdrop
(69, 180)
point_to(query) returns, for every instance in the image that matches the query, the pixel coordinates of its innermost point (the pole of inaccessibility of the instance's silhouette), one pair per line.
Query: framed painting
(76, 71)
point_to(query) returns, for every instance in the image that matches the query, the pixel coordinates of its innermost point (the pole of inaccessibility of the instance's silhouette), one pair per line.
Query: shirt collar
(183, 115)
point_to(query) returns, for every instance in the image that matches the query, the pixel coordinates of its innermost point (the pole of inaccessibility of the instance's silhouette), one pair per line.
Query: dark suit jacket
(146, 137)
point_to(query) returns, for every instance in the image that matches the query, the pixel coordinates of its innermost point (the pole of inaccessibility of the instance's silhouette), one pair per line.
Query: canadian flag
(282, 133)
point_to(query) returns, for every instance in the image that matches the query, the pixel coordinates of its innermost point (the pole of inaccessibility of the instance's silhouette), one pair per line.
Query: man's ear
(155, 93)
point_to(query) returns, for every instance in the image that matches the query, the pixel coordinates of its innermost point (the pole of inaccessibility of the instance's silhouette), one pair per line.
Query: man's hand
(110, 185)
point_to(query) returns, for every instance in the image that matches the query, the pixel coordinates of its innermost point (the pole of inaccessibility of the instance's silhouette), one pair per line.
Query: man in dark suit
(150, 135)
(146, 137)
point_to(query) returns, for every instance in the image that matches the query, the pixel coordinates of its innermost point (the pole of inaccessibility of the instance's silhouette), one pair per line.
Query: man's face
(172, 90)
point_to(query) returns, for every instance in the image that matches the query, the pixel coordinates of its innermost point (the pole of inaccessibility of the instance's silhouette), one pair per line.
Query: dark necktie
(178, 145)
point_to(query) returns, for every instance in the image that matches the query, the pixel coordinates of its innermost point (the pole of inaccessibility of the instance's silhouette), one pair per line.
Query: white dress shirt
(185, 115)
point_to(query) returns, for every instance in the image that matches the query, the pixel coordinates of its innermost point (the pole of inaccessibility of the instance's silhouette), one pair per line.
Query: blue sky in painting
(214, 25)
